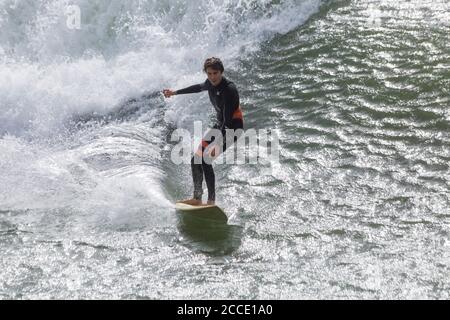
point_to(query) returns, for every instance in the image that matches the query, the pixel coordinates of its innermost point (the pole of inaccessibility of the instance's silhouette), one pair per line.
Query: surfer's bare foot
(211, 203)
(192, 202)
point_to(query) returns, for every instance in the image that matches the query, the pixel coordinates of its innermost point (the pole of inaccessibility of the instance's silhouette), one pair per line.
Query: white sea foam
(51, 72)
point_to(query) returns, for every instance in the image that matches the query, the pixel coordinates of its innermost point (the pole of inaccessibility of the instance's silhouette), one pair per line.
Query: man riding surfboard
(224, 96)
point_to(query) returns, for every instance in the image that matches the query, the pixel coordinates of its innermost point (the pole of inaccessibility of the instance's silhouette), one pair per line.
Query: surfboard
(204, 212)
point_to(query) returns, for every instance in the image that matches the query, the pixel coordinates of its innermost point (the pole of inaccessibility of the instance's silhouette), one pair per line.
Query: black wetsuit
(225, 99)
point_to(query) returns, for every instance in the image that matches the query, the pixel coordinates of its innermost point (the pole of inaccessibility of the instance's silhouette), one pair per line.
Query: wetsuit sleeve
(231, 100)
(194, 89)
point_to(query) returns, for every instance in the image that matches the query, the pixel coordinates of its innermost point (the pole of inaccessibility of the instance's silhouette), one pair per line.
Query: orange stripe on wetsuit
(238, 114)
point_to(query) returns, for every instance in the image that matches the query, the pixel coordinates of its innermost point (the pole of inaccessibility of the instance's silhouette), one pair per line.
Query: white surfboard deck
(206, 212)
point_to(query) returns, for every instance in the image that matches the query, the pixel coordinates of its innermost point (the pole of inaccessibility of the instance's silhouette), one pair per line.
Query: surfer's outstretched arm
(196, 88)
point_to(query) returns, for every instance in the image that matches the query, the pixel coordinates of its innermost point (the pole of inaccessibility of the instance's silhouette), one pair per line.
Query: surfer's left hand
(168, 93)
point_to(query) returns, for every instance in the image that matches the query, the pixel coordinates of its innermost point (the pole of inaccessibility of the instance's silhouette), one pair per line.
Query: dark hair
(214, 63)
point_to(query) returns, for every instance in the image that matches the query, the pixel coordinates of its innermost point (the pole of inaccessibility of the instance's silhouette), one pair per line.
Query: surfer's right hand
(168, 93)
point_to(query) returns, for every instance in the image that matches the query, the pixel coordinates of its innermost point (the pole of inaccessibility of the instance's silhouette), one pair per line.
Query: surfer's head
(213, 67)
(213, 63)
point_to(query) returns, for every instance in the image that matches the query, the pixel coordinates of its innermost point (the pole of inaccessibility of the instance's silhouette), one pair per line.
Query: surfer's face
(214, 76)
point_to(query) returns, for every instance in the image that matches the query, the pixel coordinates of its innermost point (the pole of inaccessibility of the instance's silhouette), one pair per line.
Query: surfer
(224, 96)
